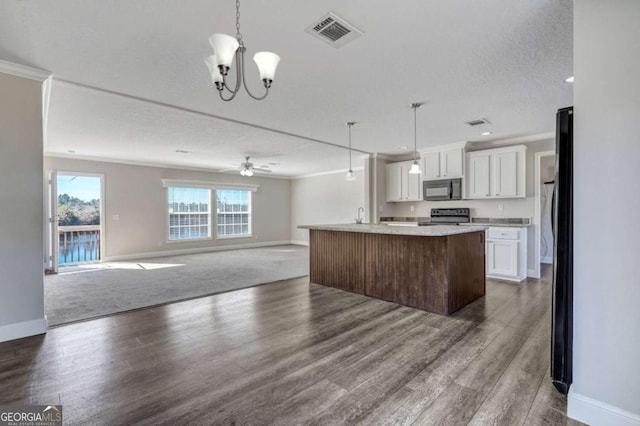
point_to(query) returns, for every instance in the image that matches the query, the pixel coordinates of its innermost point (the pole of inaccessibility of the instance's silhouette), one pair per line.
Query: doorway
(545, 169)
(75, 219)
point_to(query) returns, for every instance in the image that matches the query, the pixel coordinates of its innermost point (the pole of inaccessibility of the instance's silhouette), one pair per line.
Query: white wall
(606, 352)
(516, 207)
(21, 222)
(136, 194)
(325, 199)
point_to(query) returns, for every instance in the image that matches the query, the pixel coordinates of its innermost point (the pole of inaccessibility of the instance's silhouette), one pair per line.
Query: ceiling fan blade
(235, 169)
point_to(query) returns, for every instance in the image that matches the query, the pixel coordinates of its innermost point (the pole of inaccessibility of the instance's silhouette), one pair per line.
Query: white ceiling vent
(478, 122)
(333, 30)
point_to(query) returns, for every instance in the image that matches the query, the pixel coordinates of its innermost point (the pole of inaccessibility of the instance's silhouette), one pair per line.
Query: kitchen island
(434, 268)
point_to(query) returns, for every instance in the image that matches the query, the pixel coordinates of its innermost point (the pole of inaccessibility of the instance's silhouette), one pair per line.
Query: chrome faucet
(359, 219)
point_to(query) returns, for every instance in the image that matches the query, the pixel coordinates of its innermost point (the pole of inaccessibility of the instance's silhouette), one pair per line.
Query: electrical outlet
(115, 217)
(381, 208)
(412, 208)
(500, 207)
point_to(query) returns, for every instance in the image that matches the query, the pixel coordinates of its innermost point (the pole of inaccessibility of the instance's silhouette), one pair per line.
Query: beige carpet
(121, 286)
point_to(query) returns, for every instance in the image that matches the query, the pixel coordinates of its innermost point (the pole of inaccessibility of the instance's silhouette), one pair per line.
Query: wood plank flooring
(297, 353)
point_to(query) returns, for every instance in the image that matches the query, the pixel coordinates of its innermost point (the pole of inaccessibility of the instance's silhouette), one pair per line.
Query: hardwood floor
(297, 353)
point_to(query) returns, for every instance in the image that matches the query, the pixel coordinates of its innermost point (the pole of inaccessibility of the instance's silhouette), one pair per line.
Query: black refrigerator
(562, 222)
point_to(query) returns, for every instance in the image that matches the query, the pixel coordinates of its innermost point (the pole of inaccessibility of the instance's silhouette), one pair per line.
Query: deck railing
(78, 244)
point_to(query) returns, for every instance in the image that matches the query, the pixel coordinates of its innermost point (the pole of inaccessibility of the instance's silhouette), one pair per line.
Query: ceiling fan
(246, 168)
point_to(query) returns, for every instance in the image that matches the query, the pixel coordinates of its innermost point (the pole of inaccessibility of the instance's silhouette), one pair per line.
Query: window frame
(212, 187)
(210, 237)
(250, 212)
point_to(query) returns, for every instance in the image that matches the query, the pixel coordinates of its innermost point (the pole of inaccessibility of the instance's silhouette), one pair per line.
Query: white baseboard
(531, 273)
(178, 252)
(547, 260)
(300, 242)
(593, 412)
(23, 329)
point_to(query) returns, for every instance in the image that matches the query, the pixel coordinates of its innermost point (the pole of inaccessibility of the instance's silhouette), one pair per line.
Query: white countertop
(498, 225)
(423, 231)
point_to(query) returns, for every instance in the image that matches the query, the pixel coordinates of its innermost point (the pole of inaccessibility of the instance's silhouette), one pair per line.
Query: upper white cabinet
(401, 185)
(497, 173)
(444, 162)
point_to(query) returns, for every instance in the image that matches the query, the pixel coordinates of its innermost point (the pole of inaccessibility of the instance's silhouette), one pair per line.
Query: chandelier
(225, 48)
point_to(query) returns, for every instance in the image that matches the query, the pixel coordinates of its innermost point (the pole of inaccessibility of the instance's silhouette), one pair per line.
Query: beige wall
(325, 199)
(21, 221)
(136, 194)
(516, 207)
(606, 179)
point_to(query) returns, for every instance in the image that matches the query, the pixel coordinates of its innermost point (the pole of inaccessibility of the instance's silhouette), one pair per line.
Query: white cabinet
(402, 185)
(507, 253)
(478, 176)
(443, 162)
(496, 173)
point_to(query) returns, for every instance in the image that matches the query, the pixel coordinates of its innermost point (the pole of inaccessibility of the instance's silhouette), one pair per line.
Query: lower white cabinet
(507, 253)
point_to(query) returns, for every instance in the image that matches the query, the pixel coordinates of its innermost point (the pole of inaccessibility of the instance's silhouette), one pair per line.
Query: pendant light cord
(238, 34)
(350, 146)
(415, 133)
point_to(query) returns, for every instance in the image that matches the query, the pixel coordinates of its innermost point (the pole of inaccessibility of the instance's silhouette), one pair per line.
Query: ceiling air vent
(333, 30)
(478, 122)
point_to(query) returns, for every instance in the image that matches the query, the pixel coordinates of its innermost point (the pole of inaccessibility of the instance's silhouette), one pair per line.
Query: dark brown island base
(434, 268)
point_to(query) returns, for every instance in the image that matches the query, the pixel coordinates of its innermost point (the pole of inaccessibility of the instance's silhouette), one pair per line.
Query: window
(234, 212)
(189, 213)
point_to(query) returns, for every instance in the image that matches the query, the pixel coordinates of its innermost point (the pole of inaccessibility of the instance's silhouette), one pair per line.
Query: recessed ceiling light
(71, 151)
(182, 151)
(568, 79)
(274, 164)
(485, 133)
(404, 148)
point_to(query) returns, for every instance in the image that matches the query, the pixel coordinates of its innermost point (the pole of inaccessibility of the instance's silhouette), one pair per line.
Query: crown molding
(330, 172)
(514, 140)
(149, 164)
(23, 71)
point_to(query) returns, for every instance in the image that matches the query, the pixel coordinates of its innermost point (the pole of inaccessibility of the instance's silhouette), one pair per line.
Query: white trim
(300, 243)
(148, 255)
(330, 172)
(547, 260)
(593, 412)
(431, 149)
(23, 329)
(531, 273)
(514, 140)
(23, 71)
(537, 206)
(145, 164)
(180, 183)
(500, 277)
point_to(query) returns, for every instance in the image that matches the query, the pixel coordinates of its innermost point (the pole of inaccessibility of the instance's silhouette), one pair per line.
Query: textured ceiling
(498, 59)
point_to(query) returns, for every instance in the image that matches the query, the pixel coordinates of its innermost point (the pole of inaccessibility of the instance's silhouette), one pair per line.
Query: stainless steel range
(449, 216)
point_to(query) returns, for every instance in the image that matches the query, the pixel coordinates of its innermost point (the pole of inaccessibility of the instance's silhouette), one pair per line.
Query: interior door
(51, 222)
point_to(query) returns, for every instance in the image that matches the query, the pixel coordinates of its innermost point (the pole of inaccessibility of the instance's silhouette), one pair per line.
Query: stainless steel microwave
(442, 190)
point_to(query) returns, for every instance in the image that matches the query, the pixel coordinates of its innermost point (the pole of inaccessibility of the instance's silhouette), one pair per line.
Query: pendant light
(415, 167)
(225, 48)
(350, 175)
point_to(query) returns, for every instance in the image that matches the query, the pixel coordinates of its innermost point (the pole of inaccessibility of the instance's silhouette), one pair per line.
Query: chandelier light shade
(350, 175)
(267, 63)
(415, 167)
(226, 48)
